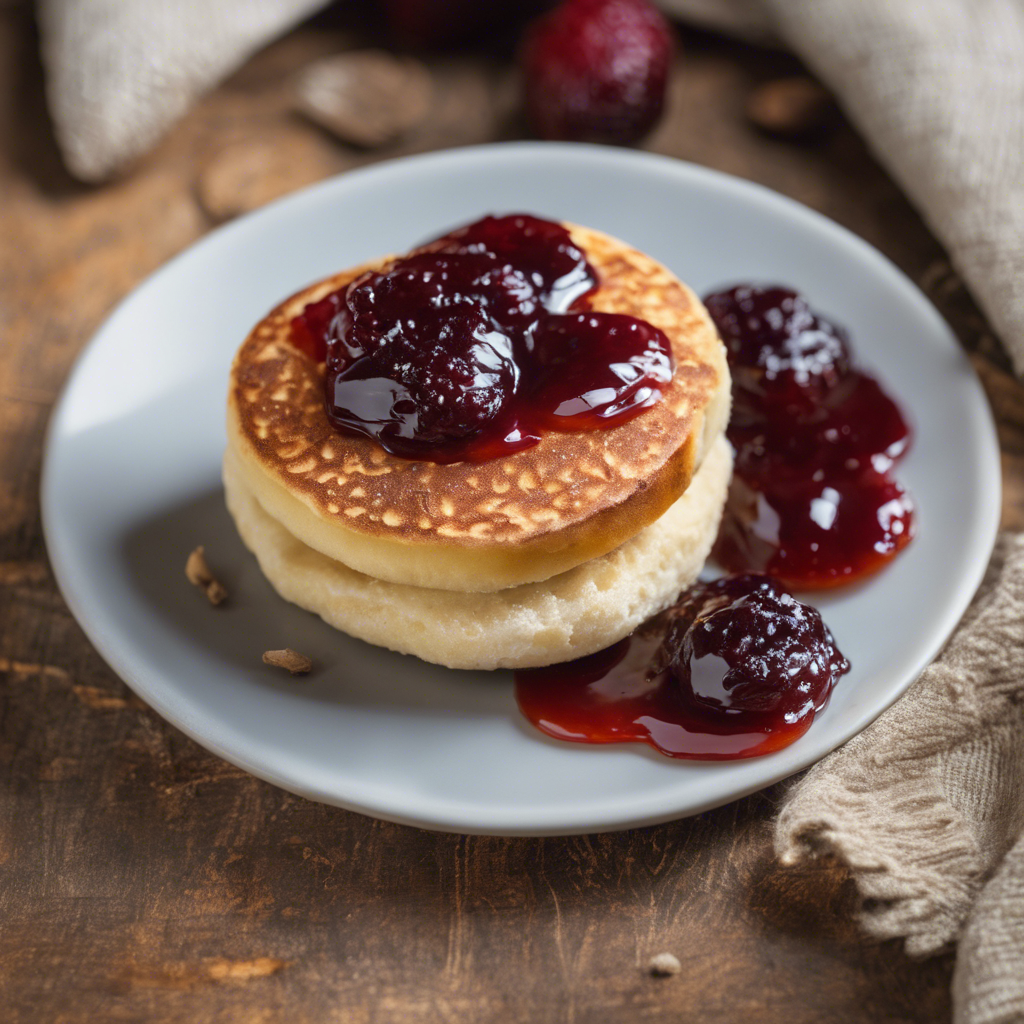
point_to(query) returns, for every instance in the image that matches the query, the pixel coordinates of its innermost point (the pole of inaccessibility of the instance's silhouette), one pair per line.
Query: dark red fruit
(812, 500)
(742, 644)
(781, 353)
(417, 355)
(425, 357)
(863, 431)
(542, 250)
(474, 344)
(596, 70)
(737, 668)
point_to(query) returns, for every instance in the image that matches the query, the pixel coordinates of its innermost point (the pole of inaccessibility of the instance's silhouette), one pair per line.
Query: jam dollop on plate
(736, 668)
(813, 499)
(474, 344)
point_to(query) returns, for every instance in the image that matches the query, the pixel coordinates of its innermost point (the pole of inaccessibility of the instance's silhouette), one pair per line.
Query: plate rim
(106, 642)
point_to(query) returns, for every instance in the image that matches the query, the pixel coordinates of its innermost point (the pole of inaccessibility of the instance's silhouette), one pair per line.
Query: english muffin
(476, 527)
(571, 614)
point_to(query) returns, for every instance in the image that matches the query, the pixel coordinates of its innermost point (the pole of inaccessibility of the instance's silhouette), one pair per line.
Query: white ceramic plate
(131, 484)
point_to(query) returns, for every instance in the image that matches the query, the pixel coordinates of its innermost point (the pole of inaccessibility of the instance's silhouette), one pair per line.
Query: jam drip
(474, 344)
(813, 500)
(737, 668)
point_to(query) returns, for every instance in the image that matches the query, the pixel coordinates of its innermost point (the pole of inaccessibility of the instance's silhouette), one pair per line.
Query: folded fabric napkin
(937, 89)
(926, 806)
(120, 72)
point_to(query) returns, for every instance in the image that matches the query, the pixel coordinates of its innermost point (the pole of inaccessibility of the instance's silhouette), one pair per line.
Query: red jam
(474, 344)
(737, 668)
(813, 500)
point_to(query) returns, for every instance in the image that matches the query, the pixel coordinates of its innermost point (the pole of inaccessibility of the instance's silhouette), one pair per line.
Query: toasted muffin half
(477, 527)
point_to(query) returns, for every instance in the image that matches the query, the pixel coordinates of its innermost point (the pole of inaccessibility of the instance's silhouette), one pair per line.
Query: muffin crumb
(664, 965)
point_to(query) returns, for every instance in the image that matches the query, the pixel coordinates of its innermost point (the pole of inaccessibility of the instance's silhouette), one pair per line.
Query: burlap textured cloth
(120, 72)
(937, 89)
(926, 806)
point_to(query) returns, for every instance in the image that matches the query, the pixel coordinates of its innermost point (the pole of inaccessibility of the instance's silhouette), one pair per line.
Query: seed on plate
(198, 572)
(297, 664)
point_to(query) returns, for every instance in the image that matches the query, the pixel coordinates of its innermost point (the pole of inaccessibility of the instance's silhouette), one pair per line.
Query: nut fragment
(248, 173)
(366, 98)
(297, 664)
(790, 108)
(198, 572)
(664, 964)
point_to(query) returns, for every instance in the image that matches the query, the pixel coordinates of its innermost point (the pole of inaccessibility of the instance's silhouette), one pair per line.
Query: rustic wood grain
(143, 879)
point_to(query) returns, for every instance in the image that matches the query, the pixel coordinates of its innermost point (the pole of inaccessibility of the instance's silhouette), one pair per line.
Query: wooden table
(143, 879)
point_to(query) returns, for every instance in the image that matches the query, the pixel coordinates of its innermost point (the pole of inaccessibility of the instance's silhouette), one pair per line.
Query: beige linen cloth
(927, 805)
(120, 72)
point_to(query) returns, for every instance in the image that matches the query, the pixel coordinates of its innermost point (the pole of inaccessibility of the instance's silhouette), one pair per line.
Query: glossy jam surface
(475, 343)
(737, 668)
(813, 499)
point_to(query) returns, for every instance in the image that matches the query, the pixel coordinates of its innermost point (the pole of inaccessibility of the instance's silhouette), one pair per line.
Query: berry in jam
(475, 343)
(782, 355)
(542, 250)
(417, 354)
(812, 500)
(737, 668)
